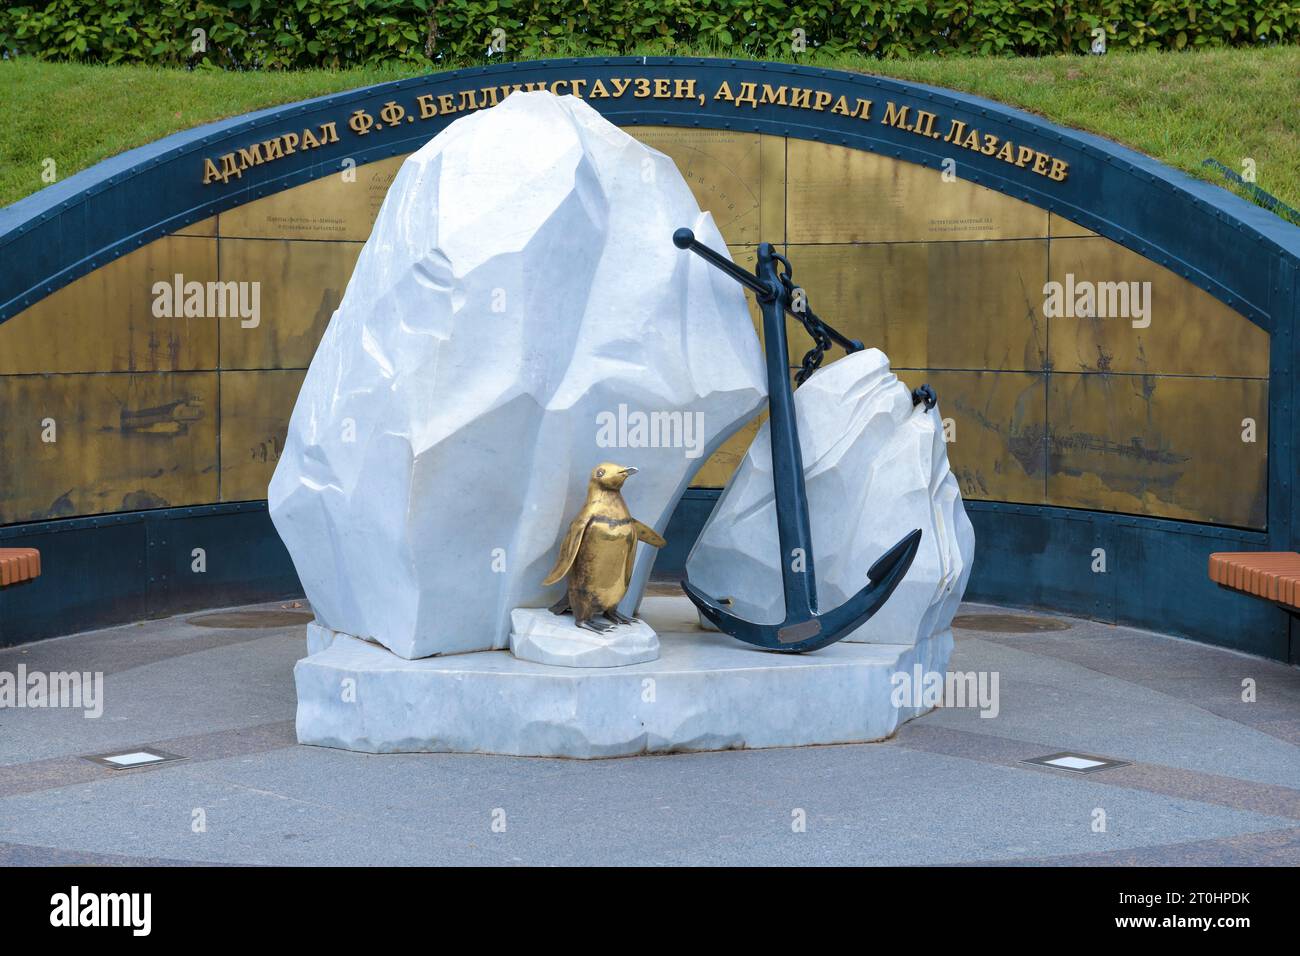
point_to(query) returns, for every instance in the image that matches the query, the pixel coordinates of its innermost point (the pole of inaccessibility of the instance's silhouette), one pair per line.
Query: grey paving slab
(863, 805)
(216, 688)
(1271, 848)
(1215, 780)
(1066, 706)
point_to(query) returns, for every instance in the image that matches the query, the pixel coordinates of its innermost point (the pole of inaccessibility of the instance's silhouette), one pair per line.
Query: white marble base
(542, 637)
(706, 692)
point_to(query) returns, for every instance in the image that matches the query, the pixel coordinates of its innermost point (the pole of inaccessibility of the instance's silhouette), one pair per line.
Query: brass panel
(105, 322)
(723, 169)
(1058, 227)
(717, 471)
(1190, 332)
(837, 194)
(301, 286)
(255, 410)
(747, 256)
(971, 305)
(326, 208)
(124, 442)
(1156, 445)
(207, 227)
(997, 426)
(771, 194)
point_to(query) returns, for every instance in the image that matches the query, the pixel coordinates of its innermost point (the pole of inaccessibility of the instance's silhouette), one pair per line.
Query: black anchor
(804, 628)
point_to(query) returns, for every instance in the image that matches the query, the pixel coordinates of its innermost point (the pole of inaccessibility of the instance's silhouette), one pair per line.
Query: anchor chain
(820, 332)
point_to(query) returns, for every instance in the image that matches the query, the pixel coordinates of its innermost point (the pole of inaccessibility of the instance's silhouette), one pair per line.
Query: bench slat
(1272, 575)
(18, 565)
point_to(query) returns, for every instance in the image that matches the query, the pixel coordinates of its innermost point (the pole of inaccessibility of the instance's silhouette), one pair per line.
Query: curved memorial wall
(158, 313)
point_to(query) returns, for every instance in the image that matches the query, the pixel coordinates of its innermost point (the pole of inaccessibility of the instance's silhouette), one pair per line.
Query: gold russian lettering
(251, 156)
(895, 115)
(361, 122)
(229, 167)
(924, 125)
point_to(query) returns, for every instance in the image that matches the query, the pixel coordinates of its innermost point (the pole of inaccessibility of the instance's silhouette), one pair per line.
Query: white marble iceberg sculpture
(519, 310)
(875, 468)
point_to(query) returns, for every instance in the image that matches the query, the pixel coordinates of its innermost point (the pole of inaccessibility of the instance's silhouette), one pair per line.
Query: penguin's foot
(561, 606)
(617, 618)
(600, 627)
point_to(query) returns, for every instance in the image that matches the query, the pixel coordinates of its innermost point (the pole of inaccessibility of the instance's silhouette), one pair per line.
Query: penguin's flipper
(628, 562)
(648, 534)
(569, 549)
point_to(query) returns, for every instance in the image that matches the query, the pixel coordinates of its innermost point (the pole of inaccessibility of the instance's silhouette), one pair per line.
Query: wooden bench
(18, 565)
(1271, 575)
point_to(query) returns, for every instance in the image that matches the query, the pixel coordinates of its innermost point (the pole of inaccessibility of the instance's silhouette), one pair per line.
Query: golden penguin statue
(600, 548)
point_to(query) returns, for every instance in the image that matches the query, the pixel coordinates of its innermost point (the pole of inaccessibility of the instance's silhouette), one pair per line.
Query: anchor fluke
(904, 551)
(799, 633)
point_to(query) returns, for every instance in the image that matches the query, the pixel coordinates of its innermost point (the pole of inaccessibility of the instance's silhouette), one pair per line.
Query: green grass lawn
(1179, 107)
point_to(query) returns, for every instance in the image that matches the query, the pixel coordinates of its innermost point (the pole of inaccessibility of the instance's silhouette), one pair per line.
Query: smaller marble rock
(542, 637)
(875, 467)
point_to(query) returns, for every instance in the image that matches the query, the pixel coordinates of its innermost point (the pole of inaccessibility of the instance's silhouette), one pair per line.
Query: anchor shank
(792, 524)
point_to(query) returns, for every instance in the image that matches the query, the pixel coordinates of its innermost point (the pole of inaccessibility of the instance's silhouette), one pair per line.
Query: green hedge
(298, 34)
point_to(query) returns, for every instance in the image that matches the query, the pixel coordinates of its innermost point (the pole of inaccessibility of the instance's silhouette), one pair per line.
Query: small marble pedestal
(542, 637)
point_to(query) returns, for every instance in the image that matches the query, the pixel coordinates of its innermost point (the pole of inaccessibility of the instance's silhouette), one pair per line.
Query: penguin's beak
(629, 471)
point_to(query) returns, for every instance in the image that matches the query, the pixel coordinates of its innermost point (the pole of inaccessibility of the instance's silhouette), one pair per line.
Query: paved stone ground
(1212, 780)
